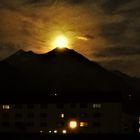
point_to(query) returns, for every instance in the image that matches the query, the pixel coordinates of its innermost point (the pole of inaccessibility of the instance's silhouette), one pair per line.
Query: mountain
(133, 82)
(63, 71)
(9, 78)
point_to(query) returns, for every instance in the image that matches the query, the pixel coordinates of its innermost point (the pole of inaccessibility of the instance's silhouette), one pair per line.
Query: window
(18, 106)
(139, 129)
(73, 115)
(73, 124)
(83, 105)
(83, 115)
(43, 106)
(139, 119)
(83, 124)
(5, 124)
(30, 124)
(96, 106)
(64, 131)
(60, 106)
(43, 124)
(97, 115)
(61, 124)
(96, 124)
(30, 115)
(73, 105)
(18, 124)
(62, 115)
(43, 115)
(5, 115)
(6, 106)
(30, 106)
(18, 115)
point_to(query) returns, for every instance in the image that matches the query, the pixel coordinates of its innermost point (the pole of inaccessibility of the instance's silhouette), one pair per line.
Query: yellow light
(64, 131)
(55, 131)
(83, 124)
(73, 124)
(6, 106)
(62, 115)
(60, 42)
(50, 131)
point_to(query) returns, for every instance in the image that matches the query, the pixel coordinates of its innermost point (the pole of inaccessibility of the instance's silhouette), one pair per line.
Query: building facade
(65, 118)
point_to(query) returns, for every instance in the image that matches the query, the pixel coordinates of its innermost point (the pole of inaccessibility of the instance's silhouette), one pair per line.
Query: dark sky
(106, 31)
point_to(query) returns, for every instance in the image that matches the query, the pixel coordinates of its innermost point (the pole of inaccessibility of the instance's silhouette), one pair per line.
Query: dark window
(73, 105)
(43, 106)
(43, 115)
(83, 115)
(60, 106)
(5, 115)
(73, 115)
(30, 106)
(19, 124)
(18, 115)
(96, 124)
(5, 124)
(18, 106)
(30, 115)
(43, 124)
(97, 115)
(83, 105)
(61, 124)
(30, 124)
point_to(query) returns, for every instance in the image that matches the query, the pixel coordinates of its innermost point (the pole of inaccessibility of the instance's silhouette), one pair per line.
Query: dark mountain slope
(64, 71)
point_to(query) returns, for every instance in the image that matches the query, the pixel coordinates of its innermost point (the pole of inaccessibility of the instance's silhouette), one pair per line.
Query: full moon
(60, 42)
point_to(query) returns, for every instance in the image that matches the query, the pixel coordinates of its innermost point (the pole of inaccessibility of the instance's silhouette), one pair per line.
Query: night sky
(106, 31)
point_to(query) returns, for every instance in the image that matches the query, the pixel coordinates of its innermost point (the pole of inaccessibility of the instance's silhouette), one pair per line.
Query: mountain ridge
(63, 70)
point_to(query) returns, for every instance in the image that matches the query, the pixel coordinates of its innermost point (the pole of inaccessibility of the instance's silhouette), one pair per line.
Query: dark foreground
(22, 136)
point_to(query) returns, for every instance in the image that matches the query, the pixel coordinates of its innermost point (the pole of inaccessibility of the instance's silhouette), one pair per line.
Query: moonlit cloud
(103, 30)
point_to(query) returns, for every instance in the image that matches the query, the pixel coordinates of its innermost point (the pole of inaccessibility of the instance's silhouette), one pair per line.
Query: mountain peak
(65, 54)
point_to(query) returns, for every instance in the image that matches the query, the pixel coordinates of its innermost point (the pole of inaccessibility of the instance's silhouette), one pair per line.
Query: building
(57, 115)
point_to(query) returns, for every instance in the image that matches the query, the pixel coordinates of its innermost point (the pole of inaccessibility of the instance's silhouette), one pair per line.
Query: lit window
(64, 131)
(73, 124)
(55, 131)
(83, 124)
(139, 129)
(62, 115)
(41, 131)
(6, 106)
(96, 106)
(139, 120)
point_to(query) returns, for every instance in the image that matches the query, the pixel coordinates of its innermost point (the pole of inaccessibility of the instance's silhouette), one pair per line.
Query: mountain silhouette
(63, 70)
